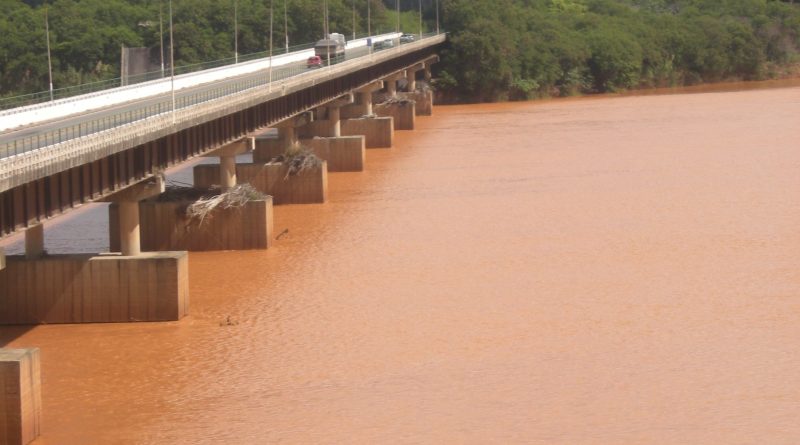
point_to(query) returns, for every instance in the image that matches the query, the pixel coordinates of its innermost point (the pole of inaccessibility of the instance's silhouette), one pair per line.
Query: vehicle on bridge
(384, 44)
(332, 47)
(314, 62)
(407, 38)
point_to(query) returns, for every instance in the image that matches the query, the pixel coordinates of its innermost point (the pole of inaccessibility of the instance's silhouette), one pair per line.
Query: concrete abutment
(95, 289)
(21, 405)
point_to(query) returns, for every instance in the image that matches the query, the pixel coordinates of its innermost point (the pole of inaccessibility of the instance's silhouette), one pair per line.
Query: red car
(314, 62)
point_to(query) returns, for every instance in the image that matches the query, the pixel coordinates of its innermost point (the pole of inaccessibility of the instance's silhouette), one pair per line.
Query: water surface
(585, 271)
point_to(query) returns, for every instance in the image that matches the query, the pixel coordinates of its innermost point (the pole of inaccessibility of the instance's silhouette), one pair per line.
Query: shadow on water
(9, 333)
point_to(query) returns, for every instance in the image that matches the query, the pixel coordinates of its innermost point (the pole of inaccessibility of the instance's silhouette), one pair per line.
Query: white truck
(332, 47)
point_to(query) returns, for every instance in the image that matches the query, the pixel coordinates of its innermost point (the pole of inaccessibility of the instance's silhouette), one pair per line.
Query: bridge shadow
(9, 333)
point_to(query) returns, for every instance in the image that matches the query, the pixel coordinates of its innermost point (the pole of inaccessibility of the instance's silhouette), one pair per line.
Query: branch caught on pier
(237, 196)
(298, 159)
(200, 203)
(398, 100)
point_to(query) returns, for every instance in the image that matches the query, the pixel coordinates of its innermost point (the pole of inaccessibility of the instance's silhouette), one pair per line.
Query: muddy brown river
(611, 270)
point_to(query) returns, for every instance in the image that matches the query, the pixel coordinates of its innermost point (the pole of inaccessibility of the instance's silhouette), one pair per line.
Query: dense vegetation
(519, 49)
(86, 35)
(499, 49)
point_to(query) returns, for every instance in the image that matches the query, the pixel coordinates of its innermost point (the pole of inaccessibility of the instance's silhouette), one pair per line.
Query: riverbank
(789, 77)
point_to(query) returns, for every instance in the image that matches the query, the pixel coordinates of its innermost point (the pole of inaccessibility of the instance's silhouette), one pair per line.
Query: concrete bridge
(118, 152)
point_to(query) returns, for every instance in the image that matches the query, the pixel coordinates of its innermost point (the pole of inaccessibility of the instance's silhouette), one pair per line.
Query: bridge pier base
(402, 113)
(343, 154)
(41, 288)
(95, 289)
(165, 227)
(423, 101)
(323, 137)
(21, 386)
(378, 132)
(307, 187)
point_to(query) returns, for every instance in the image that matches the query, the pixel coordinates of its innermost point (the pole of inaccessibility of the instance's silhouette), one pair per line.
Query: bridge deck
(96, 161)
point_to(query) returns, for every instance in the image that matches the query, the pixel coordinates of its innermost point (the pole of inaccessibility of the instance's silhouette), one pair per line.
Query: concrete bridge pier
(166, 227)
(267, 148)
(423, 99)
(310, 186)
(359, 120)
(323, 137)
(21, 403)
(82, 288)
(34, 242)
(402, 111)
(227, 160)
(411, 76)
(391, 83)
(364, 95)
(128, 220)
(2, 259)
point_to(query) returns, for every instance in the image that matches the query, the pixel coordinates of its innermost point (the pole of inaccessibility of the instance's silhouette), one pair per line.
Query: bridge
(50, 166)
(113, 146)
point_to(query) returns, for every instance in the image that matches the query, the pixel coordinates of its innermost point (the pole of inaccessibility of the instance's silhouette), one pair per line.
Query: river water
(582, 271)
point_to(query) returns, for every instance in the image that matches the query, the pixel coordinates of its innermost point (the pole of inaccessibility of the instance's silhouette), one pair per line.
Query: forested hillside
(499, 49)
(86, 35)
(519, 49)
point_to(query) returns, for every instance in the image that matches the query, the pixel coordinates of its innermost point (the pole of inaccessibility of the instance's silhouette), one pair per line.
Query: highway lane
(48, 133)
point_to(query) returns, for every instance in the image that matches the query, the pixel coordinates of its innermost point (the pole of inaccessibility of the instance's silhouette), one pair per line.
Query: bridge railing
(165, 105)
(7, 103)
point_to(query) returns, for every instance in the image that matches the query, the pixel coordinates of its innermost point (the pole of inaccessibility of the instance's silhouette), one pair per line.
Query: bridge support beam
(288, 137)
(427, 64)
(411, 76)
(363, 103)
(34, 241)
(227, 160)
(2, 259)
(266, 148)
(130, 234)
(128, 201)
(21, 386)
(334, 115)
(391, 83)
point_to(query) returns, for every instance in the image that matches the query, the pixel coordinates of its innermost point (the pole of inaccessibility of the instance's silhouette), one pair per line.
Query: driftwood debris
(298, 159)
(237, 196)
(200, 204)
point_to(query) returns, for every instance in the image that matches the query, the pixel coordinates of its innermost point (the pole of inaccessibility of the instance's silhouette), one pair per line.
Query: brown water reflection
(594, 271)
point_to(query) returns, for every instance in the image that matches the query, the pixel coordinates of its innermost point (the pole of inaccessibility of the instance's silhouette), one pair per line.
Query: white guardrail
(33, 114)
